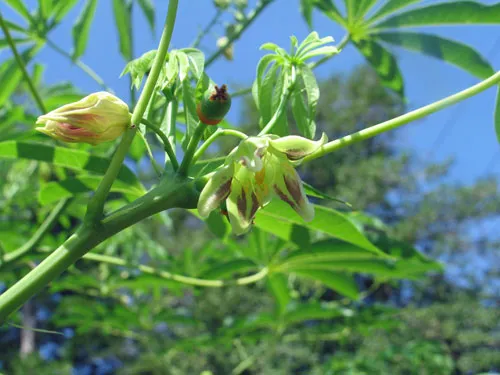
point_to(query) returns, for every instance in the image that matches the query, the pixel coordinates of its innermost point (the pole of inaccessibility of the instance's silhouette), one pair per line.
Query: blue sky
(469, 138)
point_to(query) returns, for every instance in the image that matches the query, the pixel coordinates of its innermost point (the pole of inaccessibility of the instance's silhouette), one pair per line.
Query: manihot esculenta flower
(97, 118)
(257, 170)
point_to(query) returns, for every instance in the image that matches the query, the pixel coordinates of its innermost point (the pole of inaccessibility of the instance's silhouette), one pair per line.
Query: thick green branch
(241, 28)
(179, 278)
(22, 67)
(406, 118)
(193, 143)
(96, 204)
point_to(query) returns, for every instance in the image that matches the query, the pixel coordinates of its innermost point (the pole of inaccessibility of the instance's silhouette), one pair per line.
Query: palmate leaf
(64, 157)
(384, 63)
(340, 256)
(390, 7)
(450, 51)
(20, 8)
(340, 282)
(449, 13)
(279, 219)
(56, 190)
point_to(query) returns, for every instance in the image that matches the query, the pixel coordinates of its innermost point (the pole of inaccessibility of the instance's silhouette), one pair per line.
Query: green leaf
(139, 67)
(339, 256)
(11, 76)
(364, 7)
(232, 267)
(312, 91)
(148, 9)
(497, 115)
(313, 192)
(122, 12)
(190, 114)
(45, 8)
(306, 8)
(196, 61)
(61, 8)
(331, 11)
(56, 190)
(183, 62)
(326, 220)
(390, 7)
(265, 94)
(278, 286)
(453, 52)
(81, 28)
(301, 312)
(384, 63)
(20, 8)
(301, 115)
(64, 157)
(451, 13)
(338, 281)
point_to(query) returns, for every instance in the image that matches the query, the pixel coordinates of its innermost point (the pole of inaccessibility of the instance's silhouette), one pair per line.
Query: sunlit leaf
(20, 8)
(449, 13)
(340, 282)
(390, 7)
(453, 52)
(63, 157)
(278, 286)
(384, 63)
(326, 220)
(122, 12)
(81, 28)
(56, 190)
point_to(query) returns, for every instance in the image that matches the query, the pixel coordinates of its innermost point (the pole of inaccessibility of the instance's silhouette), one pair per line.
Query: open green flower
(257, 170)
(97, 118)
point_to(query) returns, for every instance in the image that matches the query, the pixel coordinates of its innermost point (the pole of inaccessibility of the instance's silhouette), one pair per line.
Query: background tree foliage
(114, 318)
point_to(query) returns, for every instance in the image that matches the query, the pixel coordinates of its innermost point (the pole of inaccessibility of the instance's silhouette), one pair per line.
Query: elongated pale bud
(97, 118)
(214, 105)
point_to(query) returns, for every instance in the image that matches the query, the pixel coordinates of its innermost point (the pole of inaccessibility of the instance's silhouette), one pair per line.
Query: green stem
(80, 64)
(207, 29)
(404, 119)
(324, 59)
(193, 143)
(171, 121)
(251, 17)
(47, 224)
(283, 103)
(96, 203)
(179, 278)
(22, 67)
(218, 133)
(166, 143)
(170, 192)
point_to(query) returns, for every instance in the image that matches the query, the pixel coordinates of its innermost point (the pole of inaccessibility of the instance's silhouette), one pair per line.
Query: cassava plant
(256, 184)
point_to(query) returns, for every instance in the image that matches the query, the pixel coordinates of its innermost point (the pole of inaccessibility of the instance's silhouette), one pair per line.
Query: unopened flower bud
(97, 118)
(214, 105)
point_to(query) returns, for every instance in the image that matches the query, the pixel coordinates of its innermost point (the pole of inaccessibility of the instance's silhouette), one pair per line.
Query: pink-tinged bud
(97, 118)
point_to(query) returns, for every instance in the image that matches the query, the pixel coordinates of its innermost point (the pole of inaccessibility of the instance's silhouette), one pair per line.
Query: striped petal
(243, 203)
(295, 147)
(216, 190)
(288, 187)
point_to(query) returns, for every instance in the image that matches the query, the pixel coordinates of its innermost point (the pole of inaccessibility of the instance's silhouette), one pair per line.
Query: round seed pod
(214, 105)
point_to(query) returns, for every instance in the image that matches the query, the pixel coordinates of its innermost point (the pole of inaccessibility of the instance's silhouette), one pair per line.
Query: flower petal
(216, 190)
(296, 147)
(289, 189)
(243, 203)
